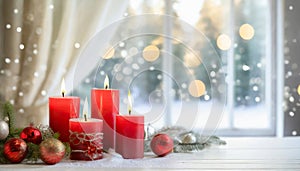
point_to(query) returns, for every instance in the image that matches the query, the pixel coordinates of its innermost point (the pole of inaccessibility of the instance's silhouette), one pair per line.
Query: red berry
(162, 144)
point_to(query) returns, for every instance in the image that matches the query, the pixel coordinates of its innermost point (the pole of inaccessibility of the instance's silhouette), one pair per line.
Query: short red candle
(130, 136)
(61, 109)
(86, 139)
(105, 106)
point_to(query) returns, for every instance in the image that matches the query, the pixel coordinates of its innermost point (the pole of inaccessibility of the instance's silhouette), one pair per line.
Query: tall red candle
(61, 109)
(105, 106)
(86, 139)
(130, 136)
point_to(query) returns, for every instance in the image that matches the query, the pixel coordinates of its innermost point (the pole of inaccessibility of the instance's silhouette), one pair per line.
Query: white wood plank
(238, 154)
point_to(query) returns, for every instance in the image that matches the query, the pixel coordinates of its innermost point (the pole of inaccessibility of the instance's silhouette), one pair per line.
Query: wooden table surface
(239, 154)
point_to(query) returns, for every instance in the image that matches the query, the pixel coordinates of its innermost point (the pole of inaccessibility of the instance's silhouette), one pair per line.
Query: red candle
(130, 135)
(86, 137)
(61, 109)
(105, 106)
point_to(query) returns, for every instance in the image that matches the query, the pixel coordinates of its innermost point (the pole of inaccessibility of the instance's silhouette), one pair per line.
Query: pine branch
(180, 147)
(8, 111)
(188, 147)
(33, 153)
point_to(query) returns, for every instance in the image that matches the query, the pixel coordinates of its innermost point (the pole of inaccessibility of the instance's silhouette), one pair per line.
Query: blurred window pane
(238, 33)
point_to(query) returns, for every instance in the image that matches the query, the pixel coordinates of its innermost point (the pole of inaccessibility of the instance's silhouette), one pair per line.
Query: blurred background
(234, 62)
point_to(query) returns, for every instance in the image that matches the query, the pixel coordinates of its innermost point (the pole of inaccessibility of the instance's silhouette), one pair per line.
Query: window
(204, 64)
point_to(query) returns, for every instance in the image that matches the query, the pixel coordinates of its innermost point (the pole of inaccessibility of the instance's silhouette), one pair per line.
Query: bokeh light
(191, 60)
(246, 31)
(151, 53)
(109, 53)
(197, 88)
(224, 42)
(298, 89)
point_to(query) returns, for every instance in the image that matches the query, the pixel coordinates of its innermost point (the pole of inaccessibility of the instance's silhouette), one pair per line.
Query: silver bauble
(4, 130)
(189, 138)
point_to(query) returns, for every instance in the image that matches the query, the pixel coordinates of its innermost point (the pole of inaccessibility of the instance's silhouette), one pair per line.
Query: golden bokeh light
(298, 89)
(246, 31)
(157, 41)
(197, 88)
(191, 60)
(151, 53)
(224, 42)
(110, 52)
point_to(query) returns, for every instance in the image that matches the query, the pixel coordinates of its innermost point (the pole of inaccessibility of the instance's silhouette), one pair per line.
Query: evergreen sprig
(180, 147)
(8, 111)
(33, 153)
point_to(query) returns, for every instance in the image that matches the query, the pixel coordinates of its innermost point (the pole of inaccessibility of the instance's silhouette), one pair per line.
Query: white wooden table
(238, 154)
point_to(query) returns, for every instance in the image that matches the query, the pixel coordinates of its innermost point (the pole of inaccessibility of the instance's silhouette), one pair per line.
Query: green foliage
(8, 111)
(3, 160)
(33, 153)
(68, 149)
(56, 135)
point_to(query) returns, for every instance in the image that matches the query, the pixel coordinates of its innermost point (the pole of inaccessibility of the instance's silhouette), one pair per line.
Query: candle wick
(63, 94)
(85, 119)
(106, 87)
(129, 112)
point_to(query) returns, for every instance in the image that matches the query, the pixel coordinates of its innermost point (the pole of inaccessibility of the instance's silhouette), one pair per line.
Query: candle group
(104, 130)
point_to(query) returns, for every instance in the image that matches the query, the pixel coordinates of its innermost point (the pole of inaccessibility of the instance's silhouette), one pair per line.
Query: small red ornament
(161, 145)
(31, 134)
(15, 150)
(52, 151)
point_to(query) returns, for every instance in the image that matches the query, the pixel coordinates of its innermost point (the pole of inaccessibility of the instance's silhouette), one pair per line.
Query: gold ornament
(52, 151)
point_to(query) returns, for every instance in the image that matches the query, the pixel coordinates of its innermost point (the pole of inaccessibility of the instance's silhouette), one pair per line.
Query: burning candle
(61, 109)
(86, 137)
(130, 134)
(105, 106)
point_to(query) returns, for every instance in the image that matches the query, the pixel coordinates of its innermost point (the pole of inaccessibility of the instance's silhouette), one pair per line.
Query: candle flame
(129, 102)
(85, 109)
(106, 82)
(63, 87)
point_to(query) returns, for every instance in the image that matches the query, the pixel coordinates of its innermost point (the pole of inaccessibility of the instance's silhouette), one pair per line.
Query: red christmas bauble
(15, 150)
(162, 144)
(31, 134)
(52, 151)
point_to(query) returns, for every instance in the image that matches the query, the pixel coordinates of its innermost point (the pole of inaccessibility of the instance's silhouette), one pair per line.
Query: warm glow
(298, 89)
(191, 60)
(197, 88)
(106, 82)
(224, 42)
(110, 52)
(63, 88)
(129, 102)
(85, 109)
(246, 31)
(158, 41)
(151, 53)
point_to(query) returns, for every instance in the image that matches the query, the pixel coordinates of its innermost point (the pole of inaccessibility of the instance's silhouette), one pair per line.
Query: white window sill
(239, 153)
